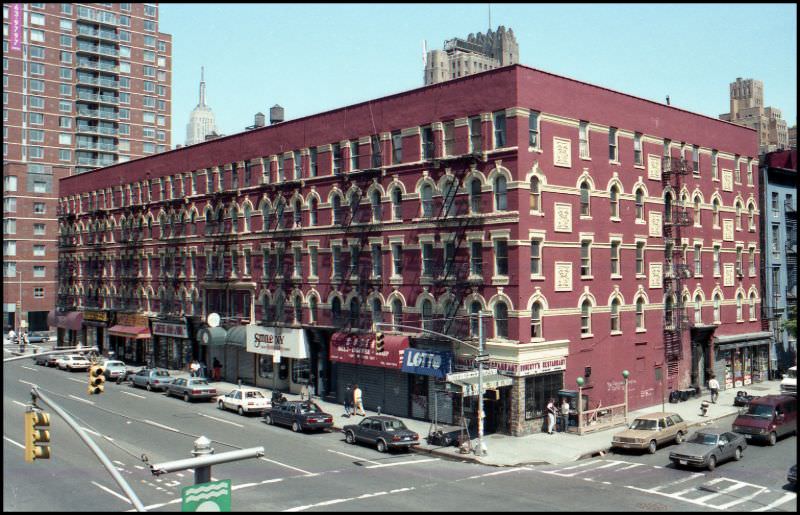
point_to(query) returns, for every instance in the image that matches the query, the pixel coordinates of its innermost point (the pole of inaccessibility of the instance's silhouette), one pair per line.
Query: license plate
(747, 437)
(682, 462)
(406, 438)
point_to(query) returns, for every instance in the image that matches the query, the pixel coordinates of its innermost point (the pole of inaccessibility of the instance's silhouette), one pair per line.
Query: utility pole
(481, 450)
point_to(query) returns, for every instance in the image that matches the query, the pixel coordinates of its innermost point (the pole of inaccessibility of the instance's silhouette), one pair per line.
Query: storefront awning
(71, 320)
(469, 387)
(237, 336)
(736, 341)
(129, 331)
(214, 336)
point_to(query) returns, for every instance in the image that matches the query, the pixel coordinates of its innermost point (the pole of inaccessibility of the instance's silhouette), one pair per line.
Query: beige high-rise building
(792, 131)
(477, 53)
(747, 109)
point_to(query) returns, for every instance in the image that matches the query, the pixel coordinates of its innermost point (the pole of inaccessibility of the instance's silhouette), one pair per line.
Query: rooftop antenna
(667, 99)
(490, 16)
(202, 86)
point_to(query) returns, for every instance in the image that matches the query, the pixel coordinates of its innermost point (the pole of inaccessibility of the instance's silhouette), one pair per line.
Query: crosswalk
(696, 488)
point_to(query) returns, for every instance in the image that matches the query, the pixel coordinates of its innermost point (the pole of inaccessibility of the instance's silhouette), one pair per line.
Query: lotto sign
(214, 496)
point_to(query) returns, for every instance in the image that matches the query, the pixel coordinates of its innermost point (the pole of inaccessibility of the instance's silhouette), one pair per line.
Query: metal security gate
(379, 387)
(246, 369)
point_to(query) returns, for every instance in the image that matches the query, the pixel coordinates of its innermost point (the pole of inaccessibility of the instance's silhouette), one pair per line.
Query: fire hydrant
(704, 408)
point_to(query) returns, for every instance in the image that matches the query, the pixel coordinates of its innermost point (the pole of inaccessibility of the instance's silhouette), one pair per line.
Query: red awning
(359, 349)
(71, 320)
(129, 331)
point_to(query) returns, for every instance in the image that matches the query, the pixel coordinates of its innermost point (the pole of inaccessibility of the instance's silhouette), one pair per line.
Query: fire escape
(94, 258)
(130, 258)
(284, 227)
(791, 253)
(676, 270)
(66, 264)
(220, 238)
(173, 274)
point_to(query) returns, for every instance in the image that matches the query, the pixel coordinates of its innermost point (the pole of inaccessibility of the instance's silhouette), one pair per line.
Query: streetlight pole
(19, 322)
(481, 450)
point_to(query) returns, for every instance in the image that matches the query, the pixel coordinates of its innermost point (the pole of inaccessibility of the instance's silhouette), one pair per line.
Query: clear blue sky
(310, 58)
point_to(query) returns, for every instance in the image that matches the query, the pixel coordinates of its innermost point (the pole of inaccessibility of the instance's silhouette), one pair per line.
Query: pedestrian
(359, 406)
(217, 369)
(713, 385)
(348, 400)
(564, 414)
(194, 366)
(311, 386)
(202, 370)
(551, 415)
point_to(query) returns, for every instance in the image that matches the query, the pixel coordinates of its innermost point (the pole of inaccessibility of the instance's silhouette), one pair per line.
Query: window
(10, 183)
(39, 187)
(615, 257)
(65, 41)
(449, 138)
(614, 201)
(476, 258)
(536, 194)
(397, 312)
(536, 320)
(501, 320)
(353, 154)
(65, 74)
(397, 147)
(312, 162)
(738, 216)
(637, 149)
(336, 207)
(717, 319)
(749, 172)
(586, 258)
(36, 152)
(38, 250)
(67, 8)
(9, 269)
(65, 139)
(397, 259)
(739, 256)
(297, 159)
(427, 201)
(640, 204)
(776, 240)
(475, 196)
(500, 194)
(375, 201)
(533, 129)
(583, 138)
(376, 151)
(612, 144)
(377, 261)
(64, 155)
(585, 207)
(427, 259)
(427, 314)
(65, 122)
(475, 144)
(36, 19)
(640, 314)
(9, 248)
(697, 219)
(427, 143)
(716, 261)
(698, 271)
(9, 226)
(397, 212)
(149, 25)
(65, 90)
(751, 218)
(737, 170)
(586, 318)
(500, 129)
(35, 136)
(501, 257)
(615, 325)
(536, 256)
(65, 106)
(715, 212)
(752, 306)
(36, 102)
(38, 293)
(36, 52)
(313, 261)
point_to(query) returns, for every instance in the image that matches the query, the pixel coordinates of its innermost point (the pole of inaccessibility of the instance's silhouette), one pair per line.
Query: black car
(300, 415)
(791, 476)
(383, 432)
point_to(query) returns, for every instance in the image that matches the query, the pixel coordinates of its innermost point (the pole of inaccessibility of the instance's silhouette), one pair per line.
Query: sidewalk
(539, 448)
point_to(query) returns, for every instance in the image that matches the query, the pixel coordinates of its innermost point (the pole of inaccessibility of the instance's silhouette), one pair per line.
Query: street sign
(481, 358)
(214, 496)
(458, 376)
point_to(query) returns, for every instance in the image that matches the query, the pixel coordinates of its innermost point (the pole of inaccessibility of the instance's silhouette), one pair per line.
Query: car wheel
(186, 397)
(679, 437)
(349, 437)
(652, 447)
(220, 406)
(149, 387)
(240, 411)
(738, 454)
(296, 427)
(268, 420)
(712, 462)
(773, 438)
(382, 446)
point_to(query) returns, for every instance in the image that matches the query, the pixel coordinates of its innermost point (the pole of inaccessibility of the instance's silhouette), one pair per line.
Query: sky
(310, 58)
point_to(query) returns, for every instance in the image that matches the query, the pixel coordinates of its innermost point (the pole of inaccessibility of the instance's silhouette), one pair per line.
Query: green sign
(214, 496)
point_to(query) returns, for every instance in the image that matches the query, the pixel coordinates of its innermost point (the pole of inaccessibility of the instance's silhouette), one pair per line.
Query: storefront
(69, 327)
(378, 374)
(741, 360)
(428, 397)
(173, 347)
(130, 339)
(95, 327)
(280, 356)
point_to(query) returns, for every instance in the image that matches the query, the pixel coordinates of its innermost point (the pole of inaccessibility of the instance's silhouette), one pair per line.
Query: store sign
(170, 329)
(95, 316)
(471, 374)
(542, 366)
(427, 362)
(291, 343)
(359, 349)
(132, 320)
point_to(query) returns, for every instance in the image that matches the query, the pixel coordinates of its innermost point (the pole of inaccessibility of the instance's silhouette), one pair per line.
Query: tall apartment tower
(201, 120)
(477, 53)
(747, 108)
(84, 86)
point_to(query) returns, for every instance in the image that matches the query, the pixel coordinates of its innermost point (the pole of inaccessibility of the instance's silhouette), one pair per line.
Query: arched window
(280, 207)
(715, 211)
(298, 309)
(162, 222)
(751, 217)
(298, 213)
(475, 195)
(375, 200)
(234, 219)
(640, 313)
(501, 320)
(355, 312)
(427, 201)
(427, 314)
(247, 214)
(536, 320)
(752, 306)
(716, 309)
(536, 195)
(449, 197)
(279, 307)
(312, 211)
(336, 207)
(697, 219)
(614, 201)
(586, 317)
(698, 309)
(355, 202)
(639, 204)
(500, 194)
(739, 299)
(336, 311)
(615, 325)
(220, 220)
(312, 309)
(397, 197)
(585, 206)
(377, 317)
(474, 309)
(738, 216)
(397, 312)
(265, 217)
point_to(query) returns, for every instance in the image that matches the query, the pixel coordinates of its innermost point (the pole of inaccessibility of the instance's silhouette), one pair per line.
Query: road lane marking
(630, 466)
(271, 481)
(741, 499)
(220, 419)
(246, 485)
(162, 426)
(679, 481)
(786, 498)
(134, 395)
(339, 501)
(112, 492)
(354, 457)
(380, 465)
(21, 404)
(15, 443)
(76, 380)
(288, 466)
(504, 471)
(26, 382)
(82, 400)
(28, 368)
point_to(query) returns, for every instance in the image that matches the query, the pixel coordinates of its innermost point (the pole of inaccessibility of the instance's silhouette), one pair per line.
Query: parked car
(789, 382)
(791, 476)
(383, 432)
(115, 369)
(709, 447)
(50, 360)
(191, 388)
(73, 362)
(38, 336)
(651, 430)
(244, 400)
(300, 415)
(768, 418)
(151, 378)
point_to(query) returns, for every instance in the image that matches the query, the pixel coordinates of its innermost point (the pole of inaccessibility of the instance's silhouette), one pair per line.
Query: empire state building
(201, 121)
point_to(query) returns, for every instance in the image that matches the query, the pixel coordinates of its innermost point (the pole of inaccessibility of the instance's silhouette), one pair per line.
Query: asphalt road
(320, 472)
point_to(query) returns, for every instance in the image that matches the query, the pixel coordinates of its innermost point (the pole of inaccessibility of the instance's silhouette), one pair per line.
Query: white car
(789, 382)
(73, 362)
(244, 400)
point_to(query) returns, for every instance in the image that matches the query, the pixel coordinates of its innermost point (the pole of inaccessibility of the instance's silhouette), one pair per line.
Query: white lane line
(786, 498)
(630, 466)
(140, 467)
(504, 471)
(220, 419)
(679, 481)
(287, 466)
(26, 382)
(161, 426)
(12, 441)
(134, 395)
(246, 485)
(82, 400)
(354, 457)
(117, 462)
(339, 501)
(111, 492)
(21, 404)
(395, 464)
(28, 368)
(741, 499)
(76, 380)
(734, 486)
(271, 481)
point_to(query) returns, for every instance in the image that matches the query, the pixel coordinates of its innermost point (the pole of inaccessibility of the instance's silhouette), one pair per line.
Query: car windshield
(759, 410)
(161, 373)
(115, 364)
(643, 424)
(196, 382)
(309, 408)
(254, 395)
(791, 374)
(704, 439)
(395, 425)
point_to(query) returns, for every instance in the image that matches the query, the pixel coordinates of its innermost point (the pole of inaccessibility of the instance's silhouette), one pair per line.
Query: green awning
(237, 336)
(211, 336)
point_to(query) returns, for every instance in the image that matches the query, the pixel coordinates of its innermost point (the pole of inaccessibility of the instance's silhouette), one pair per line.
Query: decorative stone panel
(656, 273)
(563, 275)
(562, 152)
(727, 274)
(654, 226)
(727, 230)
(654, 167)
(563, 217)
(727, 180)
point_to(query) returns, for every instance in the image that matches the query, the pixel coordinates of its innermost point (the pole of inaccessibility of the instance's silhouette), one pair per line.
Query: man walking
(551, 415)
(359, 406)
(713, 385)
(564, 414)
(348, 400)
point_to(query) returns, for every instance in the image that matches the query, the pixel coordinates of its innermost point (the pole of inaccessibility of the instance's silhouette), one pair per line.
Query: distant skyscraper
(477, 53)
(747, 109)
(201, 121)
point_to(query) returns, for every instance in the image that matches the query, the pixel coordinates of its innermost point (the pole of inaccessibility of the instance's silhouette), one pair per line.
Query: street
(320, 472)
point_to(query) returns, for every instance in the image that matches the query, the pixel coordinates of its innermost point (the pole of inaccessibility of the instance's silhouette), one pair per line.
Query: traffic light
(379, 342)
(37, 435)
(96, 379)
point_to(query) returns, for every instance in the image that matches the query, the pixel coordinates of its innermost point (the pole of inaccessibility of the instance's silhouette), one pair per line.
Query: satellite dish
(213, 320)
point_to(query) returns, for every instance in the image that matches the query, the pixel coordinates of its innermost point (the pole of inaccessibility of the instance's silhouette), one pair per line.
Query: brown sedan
(651, 430)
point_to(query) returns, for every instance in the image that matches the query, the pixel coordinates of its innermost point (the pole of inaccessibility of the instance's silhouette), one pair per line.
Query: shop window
(301, 371)
(538, 390)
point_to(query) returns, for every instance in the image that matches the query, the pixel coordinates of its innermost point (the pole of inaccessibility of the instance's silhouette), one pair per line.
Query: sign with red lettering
(359, 349)
(16, 27)
(168, 329)
(529, 368)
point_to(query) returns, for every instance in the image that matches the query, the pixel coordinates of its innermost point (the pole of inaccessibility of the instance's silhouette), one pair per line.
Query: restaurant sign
(529, 368)
(170, 329)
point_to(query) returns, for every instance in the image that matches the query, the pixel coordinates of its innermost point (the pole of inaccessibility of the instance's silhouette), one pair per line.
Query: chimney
(259, 120)
(275, 114)
(667, 99)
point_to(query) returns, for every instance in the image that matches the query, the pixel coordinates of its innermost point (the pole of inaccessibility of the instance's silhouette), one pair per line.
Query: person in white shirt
(713, 385)
(564, 414)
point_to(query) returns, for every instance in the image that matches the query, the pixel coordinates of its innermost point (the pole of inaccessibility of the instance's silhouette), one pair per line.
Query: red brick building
(304, 233)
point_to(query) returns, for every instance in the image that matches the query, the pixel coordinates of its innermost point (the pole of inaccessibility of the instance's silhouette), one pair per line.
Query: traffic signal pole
(129, 493)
